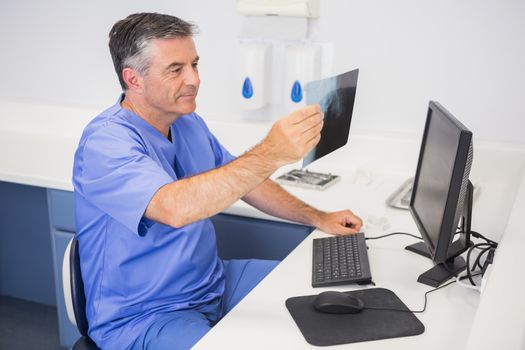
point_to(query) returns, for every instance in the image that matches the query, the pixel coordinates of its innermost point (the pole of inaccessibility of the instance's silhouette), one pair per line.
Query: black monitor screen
(435, 174)
(336, 97)
(441, 180)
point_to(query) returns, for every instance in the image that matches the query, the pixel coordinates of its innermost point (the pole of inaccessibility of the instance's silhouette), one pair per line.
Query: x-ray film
(336, 96)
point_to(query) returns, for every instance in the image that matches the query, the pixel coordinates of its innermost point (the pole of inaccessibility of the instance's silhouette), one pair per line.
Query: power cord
(392, 234)
(479, 235)
(426, 299)
(488, 248)
(490, 255)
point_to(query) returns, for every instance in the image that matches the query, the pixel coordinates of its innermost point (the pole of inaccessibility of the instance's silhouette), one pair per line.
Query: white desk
(500, 318)
(37, 144)
(262, 320)
(456, 317)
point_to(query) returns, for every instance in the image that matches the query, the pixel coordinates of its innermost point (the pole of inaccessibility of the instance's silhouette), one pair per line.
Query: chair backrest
(73, 286)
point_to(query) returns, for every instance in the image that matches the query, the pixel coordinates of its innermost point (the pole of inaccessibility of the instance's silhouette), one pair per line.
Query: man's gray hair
(129, 39)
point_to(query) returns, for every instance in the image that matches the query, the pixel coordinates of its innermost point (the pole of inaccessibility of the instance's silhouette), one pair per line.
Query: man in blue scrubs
(147, 176)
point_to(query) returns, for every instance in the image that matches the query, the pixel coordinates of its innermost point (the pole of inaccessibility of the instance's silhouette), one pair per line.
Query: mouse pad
(322, 329)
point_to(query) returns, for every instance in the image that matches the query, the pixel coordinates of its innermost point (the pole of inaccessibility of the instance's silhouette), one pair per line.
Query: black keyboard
(340, 260)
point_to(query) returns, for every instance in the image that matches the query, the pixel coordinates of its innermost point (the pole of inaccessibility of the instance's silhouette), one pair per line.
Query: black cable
(489, 260)
(490, 244)
(479, 235)
(469, 272)
(413, 311)
(394, 233)
(424, 305)
(476, 263)
(478, 259)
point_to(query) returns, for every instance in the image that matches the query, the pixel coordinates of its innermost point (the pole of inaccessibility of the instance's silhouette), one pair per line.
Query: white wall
(469, 55)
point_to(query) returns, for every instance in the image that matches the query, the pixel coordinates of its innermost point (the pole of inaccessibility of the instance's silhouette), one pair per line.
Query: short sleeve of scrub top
(119, 177)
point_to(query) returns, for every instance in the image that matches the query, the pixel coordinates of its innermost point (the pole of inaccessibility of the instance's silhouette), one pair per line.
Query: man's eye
(195, 65)
(176, 70)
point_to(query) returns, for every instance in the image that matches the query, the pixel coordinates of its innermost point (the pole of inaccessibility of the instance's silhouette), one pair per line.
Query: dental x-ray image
(336, 96)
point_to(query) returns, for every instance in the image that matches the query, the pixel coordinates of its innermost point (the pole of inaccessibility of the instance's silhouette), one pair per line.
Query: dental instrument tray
(308, 179)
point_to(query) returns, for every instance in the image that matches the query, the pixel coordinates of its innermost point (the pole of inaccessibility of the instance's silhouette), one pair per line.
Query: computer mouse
(333, 302)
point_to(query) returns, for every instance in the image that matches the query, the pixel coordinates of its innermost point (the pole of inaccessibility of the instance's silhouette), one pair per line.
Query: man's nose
(191, 77)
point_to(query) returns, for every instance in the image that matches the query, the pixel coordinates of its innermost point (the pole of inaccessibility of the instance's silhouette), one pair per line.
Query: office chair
(74, 296)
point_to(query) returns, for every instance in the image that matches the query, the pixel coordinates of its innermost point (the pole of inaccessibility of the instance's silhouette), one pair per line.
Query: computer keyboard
(340, 260)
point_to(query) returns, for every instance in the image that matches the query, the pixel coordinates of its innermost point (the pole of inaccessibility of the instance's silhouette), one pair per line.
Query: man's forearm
(272, 199)
(188, 200)
(191, 199)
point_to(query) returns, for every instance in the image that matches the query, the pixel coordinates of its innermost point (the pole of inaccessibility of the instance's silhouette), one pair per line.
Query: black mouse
(338, 303)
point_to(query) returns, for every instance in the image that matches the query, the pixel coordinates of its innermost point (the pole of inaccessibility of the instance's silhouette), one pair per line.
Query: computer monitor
(442, 194)
(336, 96)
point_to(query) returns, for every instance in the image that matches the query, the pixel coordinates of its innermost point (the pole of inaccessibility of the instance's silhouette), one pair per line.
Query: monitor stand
(442, 272)
(419, 248)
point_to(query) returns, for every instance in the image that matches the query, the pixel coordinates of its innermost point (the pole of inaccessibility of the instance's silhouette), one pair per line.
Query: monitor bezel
(441, 250)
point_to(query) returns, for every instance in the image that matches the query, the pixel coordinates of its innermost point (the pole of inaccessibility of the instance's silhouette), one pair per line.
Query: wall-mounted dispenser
(303, 64)
(286, 8)
(254, 75)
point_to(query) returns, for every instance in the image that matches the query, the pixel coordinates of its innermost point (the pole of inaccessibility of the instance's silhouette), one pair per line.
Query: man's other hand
(343, 222)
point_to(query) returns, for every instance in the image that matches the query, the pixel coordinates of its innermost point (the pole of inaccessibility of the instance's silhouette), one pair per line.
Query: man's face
(172, 81)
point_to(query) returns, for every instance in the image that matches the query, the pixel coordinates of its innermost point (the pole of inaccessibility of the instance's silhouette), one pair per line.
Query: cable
(479, 235)
(424, 305)
(489, 260)
(488, 246)
(413, 311)
(469, 273)
(477, 261)
(394, 233)
(465, 285)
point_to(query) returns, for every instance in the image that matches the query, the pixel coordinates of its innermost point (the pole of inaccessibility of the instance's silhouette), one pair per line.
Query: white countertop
(38, 142)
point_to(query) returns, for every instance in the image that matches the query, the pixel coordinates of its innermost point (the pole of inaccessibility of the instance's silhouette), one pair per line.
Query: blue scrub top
(134, 268)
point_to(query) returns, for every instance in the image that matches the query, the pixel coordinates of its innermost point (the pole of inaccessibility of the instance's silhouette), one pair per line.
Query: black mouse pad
(322, 329)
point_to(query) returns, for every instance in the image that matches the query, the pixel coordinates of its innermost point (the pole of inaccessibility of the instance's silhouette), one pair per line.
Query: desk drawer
(61, 210)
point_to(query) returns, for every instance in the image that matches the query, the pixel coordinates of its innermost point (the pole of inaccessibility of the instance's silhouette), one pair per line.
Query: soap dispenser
(254, 75)
(302, 66)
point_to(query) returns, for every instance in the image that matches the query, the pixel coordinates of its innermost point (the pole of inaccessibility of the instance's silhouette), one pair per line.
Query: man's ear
(132, 79)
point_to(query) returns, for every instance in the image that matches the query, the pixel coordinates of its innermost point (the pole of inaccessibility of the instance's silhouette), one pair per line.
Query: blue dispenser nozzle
(247, 88)
(297, 92)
